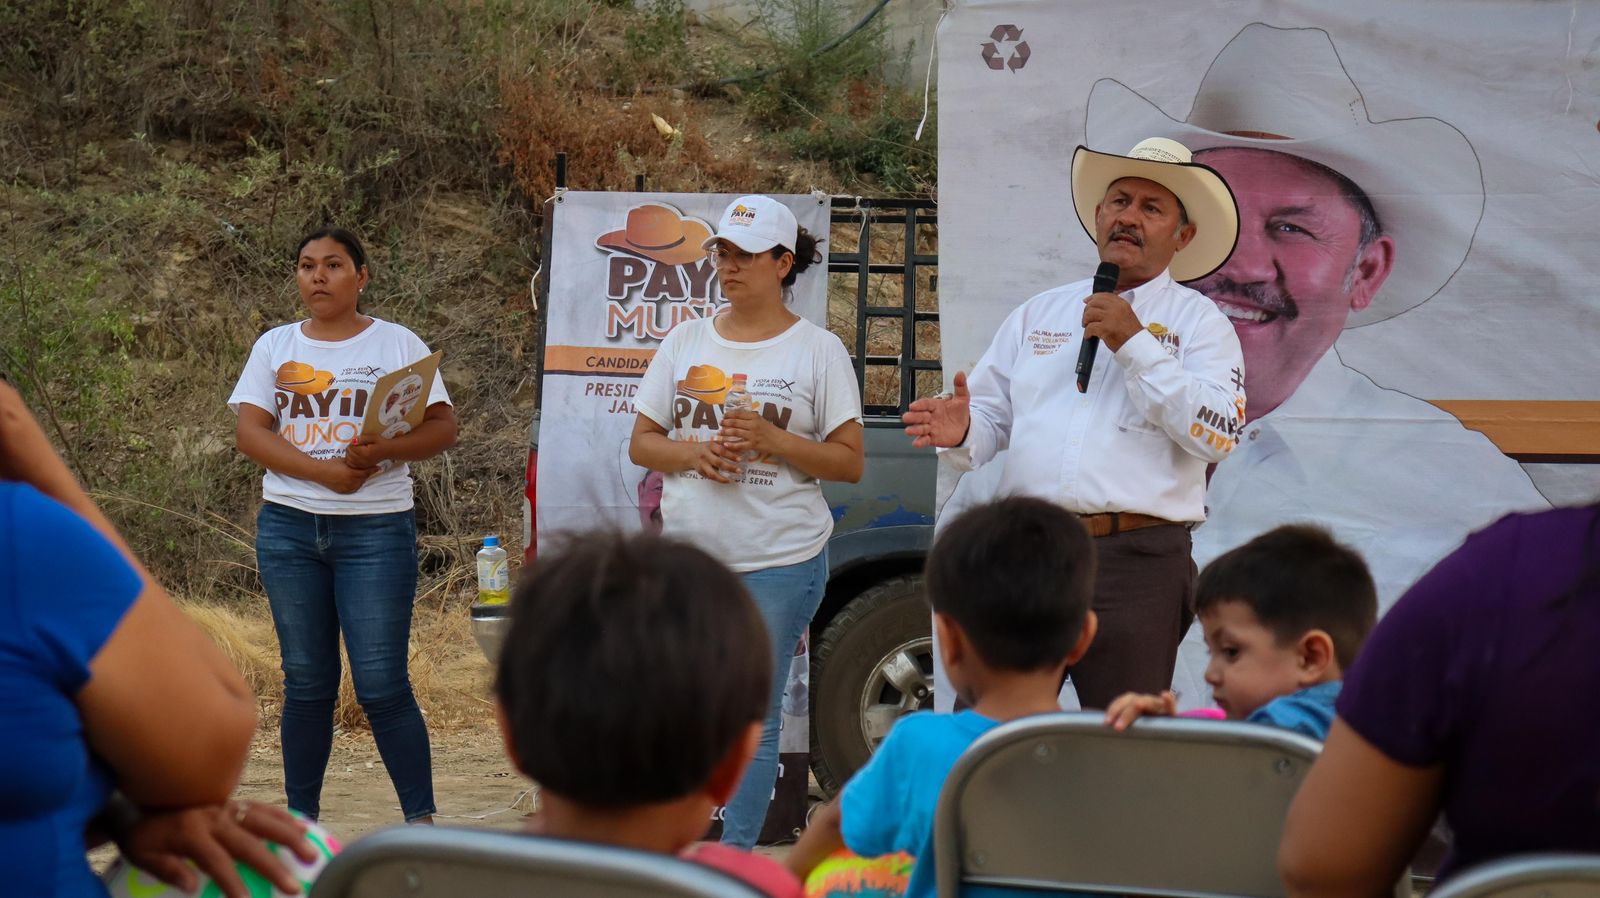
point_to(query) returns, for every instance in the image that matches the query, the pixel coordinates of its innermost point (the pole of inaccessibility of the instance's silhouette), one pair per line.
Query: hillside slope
(160, 159)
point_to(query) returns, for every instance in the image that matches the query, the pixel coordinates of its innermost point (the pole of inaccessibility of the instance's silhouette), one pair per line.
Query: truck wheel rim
(901, 682)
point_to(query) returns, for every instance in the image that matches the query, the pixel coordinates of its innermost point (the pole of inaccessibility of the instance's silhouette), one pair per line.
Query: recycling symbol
(993, 52)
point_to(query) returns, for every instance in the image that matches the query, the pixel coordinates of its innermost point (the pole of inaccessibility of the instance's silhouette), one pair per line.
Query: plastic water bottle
(494, 578)
(738, 400)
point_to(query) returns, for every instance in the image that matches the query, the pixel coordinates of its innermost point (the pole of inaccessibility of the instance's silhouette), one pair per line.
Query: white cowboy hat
(1285, 89)
(1205, 197)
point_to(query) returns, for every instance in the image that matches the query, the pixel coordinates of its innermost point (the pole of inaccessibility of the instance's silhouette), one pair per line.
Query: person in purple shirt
(1474, 696)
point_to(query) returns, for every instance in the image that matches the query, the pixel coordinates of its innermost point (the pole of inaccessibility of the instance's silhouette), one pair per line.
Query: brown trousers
(1144, 597)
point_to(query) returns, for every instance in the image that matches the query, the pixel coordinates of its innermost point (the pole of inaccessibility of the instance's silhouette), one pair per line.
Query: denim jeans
(787, 596)
(357, 573)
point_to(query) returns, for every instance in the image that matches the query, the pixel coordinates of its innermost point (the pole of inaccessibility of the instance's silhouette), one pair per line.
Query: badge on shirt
(1165, 337)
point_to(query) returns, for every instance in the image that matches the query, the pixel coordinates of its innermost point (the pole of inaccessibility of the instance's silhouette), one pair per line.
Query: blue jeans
(787, 597)
(357, 573)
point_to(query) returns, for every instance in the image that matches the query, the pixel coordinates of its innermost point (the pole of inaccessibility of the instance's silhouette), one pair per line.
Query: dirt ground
(474, 784)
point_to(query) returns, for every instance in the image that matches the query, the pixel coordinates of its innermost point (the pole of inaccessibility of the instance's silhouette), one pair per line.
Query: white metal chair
(1528, 876)
(1061, 802)
(444, 862)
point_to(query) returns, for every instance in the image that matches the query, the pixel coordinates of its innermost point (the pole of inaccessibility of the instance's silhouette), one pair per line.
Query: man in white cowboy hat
(1165, 400)
(1343, 222)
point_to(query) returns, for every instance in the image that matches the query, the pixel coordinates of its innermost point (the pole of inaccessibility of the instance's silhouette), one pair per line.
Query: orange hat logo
(705, 383)
(298, 377)
(742, 215)
(658, 232)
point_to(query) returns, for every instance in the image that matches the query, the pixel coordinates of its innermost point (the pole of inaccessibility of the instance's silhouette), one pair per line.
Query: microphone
(1105, 281)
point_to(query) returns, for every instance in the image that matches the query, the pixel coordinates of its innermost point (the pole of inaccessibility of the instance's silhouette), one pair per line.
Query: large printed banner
(1415, 283)
(625, 268)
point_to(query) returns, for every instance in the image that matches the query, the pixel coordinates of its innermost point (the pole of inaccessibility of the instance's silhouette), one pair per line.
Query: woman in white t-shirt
(746, 485)
(336, 539)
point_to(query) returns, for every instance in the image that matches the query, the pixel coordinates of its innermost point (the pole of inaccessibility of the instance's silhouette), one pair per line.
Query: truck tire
(873, 665)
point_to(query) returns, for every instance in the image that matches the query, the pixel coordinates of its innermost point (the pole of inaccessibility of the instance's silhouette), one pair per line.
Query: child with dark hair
(632, 687)
(1284, 616)
(1010, 584)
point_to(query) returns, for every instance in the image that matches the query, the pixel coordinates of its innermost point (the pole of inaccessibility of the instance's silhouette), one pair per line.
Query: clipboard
(400, 399)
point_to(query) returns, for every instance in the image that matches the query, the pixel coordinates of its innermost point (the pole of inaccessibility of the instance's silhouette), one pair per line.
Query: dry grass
(611, 140)
(244, 633)
(451, 678)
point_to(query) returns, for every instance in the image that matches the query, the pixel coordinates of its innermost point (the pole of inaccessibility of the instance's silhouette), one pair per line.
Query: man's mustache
(1124, 231)
(1254, 293)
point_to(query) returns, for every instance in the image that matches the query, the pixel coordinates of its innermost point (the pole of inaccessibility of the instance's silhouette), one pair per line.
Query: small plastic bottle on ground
(494, 577)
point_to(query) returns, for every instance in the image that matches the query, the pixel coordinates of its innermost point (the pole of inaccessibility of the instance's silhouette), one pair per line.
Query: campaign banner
(1413, 282)
(624, 269)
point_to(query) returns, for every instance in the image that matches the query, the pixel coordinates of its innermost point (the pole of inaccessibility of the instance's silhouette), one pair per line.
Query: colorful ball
(124, 880)
(847, 875)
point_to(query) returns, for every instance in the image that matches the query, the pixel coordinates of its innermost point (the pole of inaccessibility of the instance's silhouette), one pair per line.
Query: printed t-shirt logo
(299, 377)
(742, 215)
(698, 404)
(318, 411)
(1165, 337)
(705, 383)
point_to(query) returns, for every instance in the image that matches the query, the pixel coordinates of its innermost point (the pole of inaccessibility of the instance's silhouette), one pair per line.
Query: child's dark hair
(1297, 578)
(631, 667)
(351, 244)
(1016, 576)
(806, 253)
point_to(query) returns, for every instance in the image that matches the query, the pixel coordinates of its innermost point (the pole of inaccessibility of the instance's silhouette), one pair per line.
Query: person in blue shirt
(1010, 583)
(110, 700)
(1284, 616)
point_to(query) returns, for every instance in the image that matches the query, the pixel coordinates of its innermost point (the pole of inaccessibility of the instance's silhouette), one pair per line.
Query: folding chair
(1061, 802)
(443, 862)
(1528, 876)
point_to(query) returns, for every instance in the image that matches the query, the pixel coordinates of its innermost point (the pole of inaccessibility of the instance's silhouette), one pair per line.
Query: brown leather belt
(1111, 523)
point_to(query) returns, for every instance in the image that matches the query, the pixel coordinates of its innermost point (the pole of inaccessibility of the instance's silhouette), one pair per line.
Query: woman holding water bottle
(746, 413)
(336, 539)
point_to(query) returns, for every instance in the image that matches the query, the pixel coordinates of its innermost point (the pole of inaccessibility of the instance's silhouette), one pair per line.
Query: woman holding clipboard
(336, 539)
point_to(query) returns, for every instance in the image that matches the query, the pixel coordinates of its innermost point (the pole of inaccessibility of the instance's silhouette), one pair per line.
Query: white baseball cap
(756, 224)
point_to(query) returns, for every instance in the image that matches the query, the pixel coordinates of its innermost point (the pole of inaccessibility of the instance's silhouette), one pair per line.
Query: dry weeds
(451, 678)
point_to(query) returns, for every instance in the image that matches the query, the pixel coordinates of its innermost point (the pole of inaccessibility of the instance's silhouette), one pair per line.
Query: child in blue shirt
(1010, 584)
(1284, 616)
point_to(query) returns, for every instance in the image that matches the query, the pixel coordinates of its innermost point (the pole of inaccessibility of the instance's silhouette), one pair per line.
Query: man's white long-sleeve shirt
(1169, 402)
